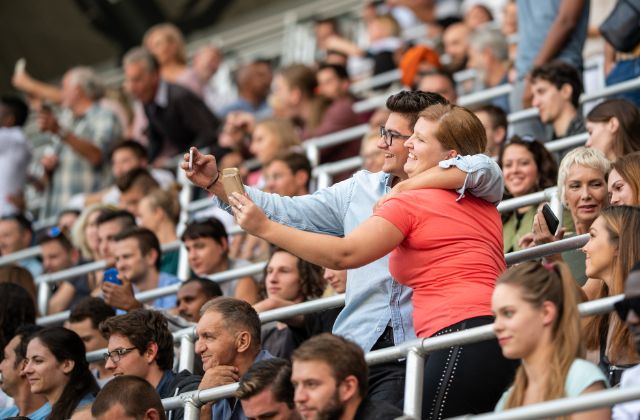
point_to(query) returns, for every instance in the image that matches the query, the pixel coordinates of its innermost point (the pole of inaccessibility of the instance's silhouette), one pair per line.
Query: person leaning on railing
(537, 321)
(439, 246)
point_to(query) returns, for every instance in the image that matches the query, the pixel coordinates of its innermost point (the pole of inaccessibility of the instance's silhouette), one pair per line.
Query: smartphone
(550, 218)
(20, 65)
(231, 181)
(111, 276)
(191, 159)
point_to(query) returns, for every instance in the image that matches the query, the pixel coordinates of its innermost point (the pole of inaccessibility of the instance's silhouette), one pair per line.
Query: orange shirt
(451, 255)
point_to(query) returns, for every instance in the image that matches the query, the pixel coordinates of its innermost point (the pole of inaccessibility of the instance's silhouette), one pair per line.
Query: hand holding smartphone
(111, 276)
(550, 218)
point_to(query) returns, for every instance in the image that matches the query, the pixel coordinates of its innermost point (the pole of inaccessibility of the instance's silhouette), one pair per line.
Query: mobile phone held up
(231, 181)
(550, 218)
(111, 276)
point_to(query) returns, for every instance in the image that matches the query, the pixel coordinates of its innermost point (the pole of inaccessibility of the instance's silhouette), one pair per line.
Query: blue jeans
(626, 70)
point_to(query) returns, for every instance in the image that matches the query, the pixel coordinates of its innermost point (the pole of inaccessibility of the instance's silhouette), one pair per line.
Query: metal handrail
(149, 295)
(563, 406)
(415, 348)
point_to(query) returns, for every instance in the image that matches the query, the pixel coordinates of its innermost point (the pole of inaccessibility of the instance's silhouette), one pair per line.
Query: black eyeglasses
(116, 355)
(388, 136)
(627, 304)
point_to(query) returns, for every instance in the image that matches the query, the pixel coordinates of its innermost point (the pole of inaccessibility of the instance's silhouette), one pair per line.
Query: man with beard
(629, 310)
(330, 380)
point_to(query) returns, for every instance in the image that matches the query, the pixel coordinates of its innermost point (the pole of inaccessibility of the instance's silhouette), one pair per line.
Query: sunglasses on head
(627, 304)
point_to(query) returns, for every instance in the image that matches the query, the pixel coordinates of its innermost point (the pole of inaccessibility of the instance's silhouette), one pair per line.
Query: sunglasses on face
(627, 304)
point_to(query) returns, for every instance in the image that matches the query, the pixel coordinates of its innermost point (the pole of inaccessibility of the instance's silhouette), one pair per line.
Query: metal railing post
(191, 408)
(44, 294)
(187, 353)
(414, 381)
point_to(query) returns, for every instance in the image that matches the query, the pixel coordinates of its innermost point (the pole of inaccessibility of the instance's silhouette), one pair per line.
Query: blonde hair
(167, 201)
(78, 237)
(538, 285)
(458, 128)
(583, 156)
(622, 224)
(283, 130)
(172, 34)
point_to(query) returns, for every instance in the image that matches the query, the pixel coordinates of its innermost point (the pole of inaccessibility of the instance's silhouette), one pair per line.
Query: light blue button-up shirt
(373, 299)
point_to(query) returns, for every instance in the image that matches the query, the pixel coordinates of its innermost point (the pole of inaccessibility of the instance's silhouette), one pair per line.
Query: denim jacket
(373, 299)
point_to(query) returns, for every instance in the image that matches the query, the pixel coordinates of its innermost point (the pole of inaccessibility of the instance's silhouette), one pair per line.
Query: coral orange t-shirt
(451, 255)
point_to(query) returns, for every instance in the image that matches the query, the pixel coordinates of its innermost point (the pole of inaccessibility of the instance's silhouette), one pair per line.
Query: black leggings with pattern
(465, 379)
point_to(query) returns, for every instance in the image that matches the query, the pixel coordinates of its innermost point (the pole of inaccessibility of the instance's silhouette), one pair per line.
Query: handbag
(622, 27)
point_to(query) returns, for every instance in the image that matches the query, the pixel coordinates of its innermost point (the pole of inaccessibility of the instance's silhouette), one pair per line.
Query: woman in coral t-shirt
(448, 250)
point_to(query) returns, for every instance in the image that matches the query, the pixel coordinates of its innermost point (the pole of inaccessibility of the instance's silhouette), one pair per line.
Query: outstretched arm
(478, 174)
(373, 239)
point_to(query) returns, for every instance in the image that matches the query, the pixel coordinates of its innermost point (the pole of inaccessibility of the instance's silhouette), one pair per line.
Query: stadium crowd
(413, 238)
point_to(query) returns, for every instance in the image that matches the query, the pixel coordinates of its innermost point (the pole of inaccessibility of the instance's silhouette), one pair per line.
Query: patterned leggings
(465, 379)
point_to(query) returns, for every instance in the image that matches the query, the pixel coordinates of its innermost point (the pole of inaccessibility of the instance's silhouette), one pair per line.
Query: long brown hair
(538, 285)
(627, 138)
(628, 167)
(458, 128)
(622, 224)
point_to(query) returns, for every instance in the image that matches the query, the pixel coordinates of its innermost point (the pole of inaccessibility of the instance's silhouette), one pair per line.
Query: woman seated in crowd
(84, 236)
(440, 246)
(287, 280)
(612, 250)
(268, 138)
(56, 366)
(528, 167)
(537, 321)
(614, 128)
(624, 180)
(582, 188)
(159, 212)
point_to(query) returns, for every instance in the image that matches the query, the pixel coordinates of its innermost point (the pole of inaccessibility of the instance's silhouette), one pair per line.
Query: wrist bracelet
(213, 182)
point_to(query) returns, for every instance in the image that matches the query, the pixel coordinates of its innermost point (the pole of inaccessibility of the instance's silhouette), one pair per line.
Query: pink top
(451, 255)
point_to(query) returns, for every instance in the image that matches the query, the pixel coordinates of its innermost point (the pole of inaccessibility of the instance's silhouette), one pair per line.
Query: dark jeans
(386, 380)
(465, 379)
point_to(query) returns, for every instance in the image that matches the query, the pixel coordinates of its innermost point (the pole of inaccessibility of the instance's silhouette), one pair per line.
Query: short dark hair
(55, 234)
(559, 73)
(412, 103)
(134, 394)
(340, 71)
(141, 327)
(344, 357)
(496, 114)
(138, 149)
(147, 241)
(23, 222)
(274, 374)
(295, 161)
(207, 228)
(210, 288)
(237, 314)
(137, 178)
(92, 308)
(24, 332)
(123, 217)
(16, 107)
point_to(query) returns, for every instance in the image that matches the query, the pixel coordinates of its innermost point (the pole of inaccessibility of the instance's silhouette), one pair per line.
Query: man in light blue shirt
(378, 310)
(15, 384)
(138, 254)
